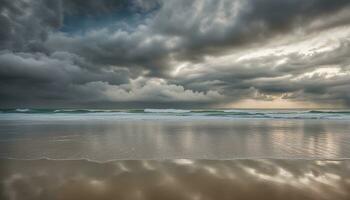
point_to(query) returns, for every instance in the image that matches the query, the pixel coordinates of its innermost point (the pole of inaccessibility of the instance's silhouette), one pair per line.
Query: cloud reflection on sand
(175, 179)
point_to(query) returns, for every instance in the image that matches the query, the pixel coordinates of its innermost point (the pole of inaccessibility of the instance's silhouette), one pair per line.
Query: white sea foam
(148, 110)
(22, 110)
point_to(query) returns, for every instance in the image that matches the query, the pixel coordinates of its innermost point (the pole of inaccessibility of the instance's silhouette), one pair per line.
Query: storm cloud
(174, 53)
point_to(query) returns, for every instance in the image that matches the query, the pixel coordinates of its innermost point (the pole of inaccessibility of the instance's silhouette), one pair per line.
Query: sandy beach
(147, 156)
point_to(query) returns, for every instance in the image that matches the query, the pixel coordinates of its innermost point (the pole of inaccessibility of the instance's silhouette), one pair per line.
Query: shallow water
(110, 138)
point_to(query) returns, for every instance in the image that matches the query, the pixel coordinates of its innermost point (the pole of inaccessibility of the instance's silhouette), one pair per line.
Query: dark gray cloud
(93, 7)
(39, 78)
(209, 27)
(149, 53)
(27, 23)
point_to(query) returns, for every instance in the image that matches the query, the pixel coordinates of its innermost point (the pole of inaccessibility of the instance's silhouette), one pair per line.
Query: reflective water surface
(104, 140)
(175, 180)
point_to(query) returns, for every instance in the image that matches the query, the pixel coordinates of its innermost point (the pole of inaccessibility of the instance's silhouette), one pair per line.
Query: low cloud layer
(154, 53)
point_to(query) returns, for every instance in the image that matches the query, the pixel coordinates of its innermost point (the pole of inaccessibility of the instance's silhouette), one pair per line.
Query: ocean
(175, 113)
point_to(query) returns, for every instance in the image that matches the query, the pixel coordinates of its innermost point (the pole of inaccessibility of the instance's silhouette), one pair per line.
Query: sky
(175, 54)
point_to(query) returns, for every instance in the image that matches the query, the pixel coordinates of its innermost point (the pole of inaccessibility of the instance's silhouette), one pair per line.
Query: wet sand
(110, 139)
(175, 179)
(145, 153)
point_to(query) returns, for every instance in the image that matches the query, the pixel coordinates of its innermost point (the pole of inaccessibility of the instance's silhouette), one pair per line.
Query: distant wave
(81, 111)
(48, 111)
(25, 110)
(166, 111)
(227, 113)
(330, 111)
(22, 110)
